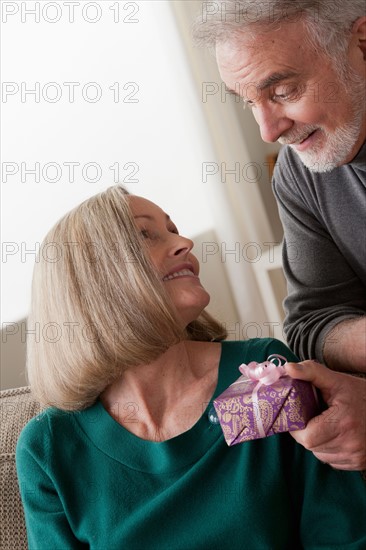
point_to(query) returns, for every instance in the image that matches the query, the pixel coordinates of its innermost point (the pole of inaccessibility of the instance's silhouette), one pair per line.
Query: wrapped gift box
(255, 407)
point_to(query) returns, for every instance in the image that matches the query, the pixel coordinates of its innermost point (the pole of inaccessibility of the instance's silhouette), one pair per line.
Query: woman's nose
(181, 246)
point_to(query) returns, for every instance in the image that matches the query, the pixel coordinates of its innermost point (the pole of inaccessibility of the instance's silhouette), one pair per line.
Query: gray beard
(336, 146)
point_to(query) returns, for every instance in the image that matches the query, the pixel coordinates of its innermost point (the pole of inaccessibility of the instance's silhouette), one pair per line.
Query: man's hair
(98, 305)
(329, 22)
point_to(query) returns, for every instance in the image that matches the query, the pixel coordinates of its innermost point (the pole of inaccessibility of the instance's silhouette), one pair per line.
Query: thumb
(316, 373)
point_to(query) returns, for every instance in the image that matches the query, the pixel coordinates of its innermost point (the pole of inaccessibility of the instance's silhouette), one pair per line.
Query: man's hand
(338, 435)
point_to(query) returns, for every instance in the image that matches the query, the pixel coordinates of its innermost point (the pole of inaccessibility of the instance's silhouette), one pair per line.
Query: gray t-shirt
(324, 253)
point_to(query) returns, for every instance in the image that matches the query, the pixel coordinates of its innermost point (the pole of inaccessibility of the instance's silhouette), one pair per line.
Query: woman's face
(171, 255)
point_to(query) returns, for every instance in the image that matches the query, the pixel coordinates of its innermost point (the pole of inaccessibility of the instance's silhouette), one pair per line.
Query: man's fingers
(319, 430)
(316, 373)
(343, 461)
(338, 435)
(333, 451)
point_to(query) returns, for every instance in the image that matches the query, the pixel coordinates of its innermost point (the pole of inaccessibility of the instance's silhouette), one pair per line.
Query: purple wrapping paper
(287, 404)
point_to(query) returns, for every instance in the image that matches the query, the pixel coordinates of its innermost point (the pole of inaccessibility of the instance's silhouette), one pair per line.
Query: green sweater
(87, 482)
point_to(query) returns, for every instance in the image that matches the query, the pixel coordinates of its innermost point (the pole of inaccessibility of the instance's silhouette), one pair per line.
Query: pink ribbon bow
(266, 373)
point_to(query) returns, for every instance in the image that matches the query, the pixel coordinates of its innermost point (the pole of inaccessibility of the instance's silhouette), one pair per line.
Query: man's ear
(359, 34)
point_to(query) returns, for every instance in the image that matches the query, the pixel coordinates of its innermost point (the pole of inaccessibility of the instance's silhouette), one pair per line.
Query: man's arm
(325, 270)
(326, 308)
(345, 346)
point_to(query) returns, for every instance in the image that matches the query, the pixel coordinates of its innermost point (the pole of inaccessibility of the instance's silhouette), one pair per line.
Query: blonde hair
(98, 306)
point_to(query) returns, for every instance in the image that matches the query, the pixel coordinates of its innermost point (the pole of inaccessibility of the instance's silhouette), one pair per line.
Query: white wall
(118, 84)
(163, 133)
(154, 130)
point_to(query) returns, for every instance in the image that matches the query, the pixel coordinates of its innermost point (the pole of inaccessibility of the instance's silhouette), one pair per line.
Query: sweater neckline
(168, 456)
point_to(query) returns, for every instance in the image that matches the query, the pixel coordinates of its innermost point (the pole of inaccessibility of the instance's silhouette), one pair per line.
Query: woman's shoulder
(257, 349)
(236, 352)
(37, 434)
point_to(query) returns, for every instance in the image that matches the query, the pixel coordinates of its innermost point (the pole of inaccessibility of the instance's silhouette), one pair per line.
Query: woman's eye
(154, 235)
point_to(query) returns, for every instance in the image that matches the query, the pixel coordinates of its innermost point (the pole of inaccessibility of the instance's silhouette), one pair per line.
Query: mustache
(297, 135)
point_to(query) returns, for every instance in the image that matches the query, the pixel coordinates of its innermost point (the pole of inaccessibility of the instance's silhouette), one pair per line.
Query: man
(301, 67)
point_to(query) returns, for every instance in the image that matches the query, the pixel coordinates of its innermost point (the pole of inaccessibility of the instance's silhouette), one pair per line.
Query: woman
(127, 456)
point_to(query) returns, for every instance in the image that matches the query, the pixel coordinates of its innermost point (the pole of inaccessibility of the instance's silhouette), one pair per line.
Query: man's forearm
(345, 346)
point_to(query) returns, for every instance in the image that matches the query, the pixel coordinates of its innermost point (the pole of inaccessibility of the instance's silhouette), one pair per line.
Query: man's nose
(272, 121)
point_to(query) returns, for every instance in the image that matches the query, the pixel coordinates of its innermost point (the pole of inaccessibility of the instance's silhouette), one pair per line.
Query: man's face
(297, 96)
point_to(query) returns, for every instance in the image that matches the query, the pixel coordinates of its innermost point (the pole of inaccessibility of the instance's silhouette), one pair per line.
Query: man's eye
(280, 96)
(248, 104)
(286, 93)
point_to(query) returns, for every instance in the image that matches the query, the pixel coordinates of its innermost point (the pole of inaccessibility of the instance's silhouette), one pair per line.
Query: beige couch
(17, 408)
